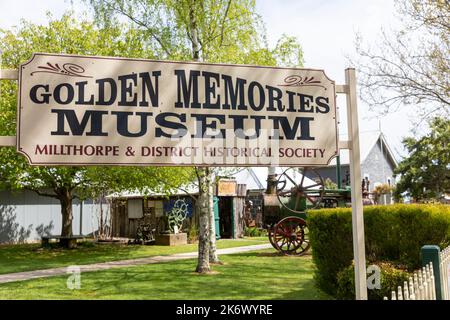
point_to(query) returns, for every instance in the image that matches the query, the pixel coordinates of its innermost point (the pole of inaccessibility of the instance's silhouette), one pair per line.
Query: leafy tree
(226, 31)
(410, 66)
(425, 173)
(67, 35)
(329, 184)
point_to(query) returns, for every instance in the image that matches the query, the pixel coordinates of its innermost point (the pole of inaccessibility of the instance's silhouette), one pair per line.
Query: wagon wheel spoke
(300, 245)
(299, 235)
(313, 185)
(295, 246)
(282, 230)
(313, 201)
(303, 176)
(281, 234)
(278, 239)
(287, 176)
(305, 245)
(287, 231)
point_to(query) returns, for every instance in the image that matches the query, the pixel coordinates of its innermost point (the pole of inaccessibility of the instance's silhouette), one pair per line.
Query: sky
(326, 29)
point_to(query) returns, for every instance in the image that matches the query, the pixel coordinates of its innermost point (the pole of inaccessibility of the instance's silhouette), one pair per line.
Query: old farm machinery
(289, 196)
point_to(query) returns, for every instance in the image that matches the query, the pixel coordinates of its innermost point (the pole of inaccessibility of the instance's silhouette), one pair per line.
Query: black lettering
(126, 88)
(232, 93)
(147, 86)
(202, 125)
(101, 92)
(161, 120)
(291, 104)
(187, 89)
(275, 95)
(304, 103)
(45, 96)
(76, 127)
(251, 97)
(322, 105)
(210, 90)
(122, 123)
(289, 131)
(81, 85)
(57, 93)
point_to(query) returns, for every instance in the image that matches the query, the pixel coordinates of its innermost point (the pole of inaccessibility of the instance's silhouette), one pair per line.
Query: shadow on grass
(25, 257)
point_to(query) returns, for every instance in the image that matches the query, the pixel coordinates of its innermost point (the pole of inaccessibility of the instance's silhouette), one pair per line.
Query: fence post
(431, 254)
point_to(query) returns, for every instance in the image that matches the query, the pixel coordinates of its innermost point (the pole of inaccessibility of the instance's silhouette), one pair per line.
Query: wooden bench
(67, 242)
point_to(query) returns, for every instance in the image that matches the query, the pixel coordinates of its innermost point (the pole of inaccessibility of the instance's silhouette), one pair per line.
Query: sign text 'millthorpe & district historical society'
(80, 110)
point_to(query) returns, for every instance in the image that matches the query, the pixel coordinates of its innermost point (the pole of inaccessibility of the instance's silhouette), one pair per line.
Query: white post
(359, 251)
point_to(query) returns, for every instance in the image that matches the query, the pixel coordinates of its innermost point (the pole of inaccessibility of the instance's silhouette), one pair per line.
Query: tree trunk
(203, 210)
(65, 198)
(203, 173)
(213, 258)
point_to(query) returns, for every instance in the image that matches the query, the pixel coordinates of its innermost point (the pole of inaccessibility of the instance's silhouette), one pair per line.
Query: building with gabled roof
(377, 162)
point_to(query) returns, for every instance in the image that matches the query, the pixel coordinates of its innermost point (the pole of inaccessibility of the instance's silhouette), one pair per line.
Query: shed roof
(254, 177)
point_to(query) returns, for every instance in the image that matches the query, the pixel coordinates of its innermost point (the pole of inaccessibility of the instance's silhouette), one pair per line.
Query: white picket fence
(420, 286)
(444, 266)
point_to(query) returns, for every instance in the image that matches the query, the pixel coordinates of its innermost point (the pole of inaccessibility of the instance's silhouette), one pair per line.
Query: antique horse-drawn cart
(289, 195)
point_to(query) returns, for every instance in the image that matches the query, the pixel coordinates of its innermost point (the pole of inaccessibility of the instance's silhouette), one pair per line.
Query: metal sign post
(352, 144)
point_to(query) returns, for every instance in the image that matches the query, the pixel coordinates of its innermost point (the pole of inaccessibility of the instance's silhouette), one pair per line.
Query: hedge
(393, 233)
(391, 278)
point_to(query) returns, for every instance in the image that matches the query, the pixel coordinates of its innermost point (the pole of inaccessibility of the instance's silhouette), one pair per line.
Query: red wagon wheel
(291, 236)
(313, 193)
(271, 238)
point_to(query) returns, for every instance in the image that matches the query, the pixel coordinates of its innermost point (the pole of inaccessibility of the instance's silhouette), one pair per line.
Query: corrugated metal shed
(25, 216)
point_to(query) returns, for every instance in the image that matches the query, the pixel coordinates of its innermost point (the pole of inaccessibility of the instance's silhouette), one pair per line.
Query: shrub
(330, 234)
(393, 233)
(390, 278)
(192, 235)
(254, 232)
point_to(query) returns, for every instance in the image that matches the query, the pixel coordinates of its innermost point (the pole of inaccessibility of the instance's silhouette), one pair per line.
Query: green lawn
(26, 257)
(251, 275)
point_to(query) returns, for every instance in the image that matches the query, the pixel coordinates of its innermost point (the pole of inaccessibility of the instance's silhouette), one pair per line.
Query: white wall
(22, 214)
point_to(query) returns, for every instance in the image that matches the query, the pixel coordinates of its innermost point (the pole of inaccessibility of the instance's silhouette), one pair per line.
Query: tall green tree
(225, 31)
(67, 35)
(425, 172)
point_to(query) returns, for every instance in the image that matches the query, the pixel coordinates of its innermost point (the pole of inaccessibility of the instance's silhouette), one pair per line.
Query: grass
(26, 257)
(252, 275)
